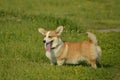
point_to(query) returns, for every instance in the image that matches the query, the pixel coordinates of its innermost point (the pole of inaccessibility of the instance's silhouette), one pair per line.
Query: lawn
(22, 53)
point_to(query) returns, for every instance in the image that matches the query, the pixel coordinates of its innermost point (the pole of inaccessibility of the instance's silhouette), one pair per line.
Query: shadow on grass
(81, 63)
(106, 65)
(85, 64)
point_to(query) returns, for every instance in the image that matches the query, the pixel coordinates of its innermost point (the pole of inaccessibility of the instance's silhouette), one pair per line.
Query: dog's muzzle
(44, 41)
(48, 45)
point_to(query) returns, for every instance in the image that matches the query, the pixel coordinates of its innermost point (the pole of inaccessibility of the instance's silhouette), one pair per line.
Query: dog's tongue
(48, 47)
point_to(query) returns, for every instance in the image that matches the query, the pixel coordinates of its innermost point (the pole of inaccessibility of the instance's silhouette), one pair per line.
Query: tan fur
(79, 51)
(74, 52)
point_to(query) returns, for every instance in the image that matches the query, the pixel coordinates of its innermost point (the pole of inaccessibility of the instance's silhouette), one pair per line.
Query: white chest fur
(53, 54)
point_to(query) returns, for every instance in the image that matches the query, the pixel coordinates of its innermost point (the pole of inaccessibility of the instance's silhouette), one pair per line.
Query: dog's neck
(59, 44)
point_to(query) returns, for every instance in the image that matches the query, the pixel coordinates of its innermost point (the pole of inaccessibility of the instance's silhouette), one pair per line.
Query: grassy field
(22, 53)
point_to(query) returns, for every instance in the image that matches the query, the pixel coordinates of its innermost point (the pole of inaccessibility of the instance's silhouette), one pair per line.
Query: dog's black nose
(44, 41)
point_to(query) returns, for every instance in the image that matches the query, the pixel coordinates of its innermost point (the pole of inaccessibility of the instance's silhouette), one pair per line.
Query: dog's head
(51, 37)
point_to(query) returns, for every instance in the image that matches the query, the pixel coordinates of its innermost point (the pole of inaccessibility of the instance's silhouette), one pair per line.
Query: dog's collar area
(56, 46)
(53, 47)
(48, 48)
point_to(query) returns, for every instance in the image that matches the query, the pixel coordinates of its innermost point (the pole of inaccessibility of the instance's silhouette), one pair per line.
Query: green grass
(22, 53)
(88, 14)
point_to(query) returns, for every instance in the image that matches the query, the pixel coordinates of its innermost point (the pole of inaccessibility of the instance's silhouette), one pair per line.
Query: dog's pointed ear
(59, 30)
(42, 31)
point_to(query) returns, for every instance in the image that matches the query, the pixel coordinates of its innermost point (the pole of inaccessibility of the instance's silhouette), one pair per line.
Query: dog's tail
(92, 37)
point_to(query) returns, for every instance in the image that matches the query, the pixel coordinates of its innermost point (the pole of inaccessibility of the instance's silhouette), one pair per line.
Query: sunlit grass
(89, 14)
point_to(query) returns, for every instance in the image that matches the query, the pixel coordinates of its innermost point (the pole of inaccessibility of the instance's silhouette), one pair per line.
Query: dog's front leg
(52, 63)
(60, 62)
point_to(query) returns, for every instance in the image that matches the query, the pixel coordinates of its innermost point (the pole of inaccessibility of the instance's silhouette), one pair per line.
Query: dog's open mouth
(49, 45)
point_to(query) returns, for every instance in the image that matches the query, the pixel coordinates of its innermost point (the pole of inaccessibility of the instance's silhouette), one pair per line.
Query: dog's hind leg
(93, 63)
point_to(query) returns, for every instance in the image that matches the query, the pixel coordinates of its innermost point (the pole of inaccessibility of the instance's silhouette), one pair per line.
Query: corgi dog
(61, 53)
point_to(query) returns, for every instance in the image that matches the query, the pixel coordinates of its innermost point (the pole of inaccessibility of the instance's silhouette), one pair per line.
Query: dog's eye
(50, 36)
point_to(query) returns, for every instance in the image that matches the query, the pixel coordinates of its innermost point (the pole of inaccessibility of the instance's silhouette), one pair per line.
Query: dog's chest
(49, 55)
(52, 54)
